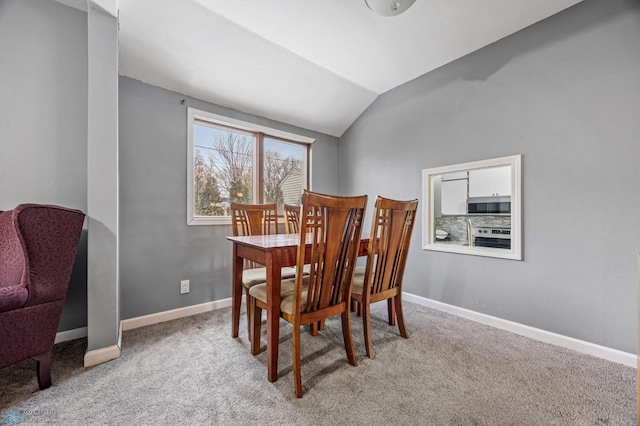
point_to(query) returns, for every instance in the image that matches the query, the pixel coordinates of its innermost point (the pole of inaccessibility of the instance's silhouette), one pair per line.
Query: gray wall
(43, 119)
(157, 248)
(564, 93)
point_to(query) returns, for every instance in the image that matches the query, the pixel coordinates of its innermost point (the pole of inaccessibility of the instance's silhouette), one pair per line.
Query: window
(235, 161)
(474, 208)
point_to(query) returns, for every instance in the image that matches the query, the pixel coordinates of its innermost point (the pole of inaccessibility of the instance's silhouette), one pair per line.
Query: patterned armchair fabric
(38, 245)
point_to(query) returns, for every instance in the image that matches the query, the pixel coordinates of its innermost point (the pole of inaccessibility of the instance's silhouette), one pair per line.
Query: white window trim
(194, 114)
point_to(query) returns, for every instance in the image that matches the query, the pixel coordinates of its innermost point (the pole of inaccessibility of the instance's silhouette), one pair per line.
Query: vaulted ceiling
(316, 64)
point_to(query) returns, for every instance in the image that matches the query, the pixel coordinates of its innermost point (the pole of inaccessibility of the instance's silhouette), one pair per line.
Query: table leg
(274, 277)
(236, 292)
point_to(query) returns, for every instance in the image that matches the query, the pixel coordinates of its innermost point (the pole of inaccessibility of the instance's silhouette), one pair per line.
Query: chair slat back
(292, 219)
(391, 230)
(334, 226)
(254, 219)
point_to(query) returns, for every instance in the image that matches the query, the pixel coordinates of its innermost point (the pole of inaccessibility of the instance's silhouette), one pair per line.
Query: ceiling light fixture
(389, 7)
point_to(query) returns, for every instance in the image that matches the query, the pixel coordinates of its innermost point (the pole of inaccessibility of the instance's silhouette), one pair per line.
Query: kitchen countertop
(452, 243)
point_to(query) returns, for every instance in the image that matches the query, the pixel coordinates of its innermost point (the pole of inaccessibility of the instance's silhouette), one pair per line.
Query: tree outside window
(223, 169)
(283, 172)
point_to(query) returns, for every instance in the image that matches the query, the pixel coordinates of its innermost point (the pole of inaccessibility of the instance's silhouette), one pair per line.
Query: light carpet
(451, 371)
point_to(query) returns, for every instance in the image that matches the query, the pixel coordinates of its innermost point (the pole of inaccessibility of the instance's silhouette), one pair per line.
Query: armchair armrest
(12, 252)
(13, 297)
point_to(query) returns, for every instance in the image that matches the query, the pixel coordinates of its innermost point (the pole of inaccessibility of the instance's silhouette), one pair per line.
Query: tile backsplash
(456, 226)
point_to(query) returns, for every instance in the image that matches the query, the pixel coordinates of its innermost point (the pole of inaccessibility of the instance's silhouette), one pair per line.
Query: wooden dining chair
(291, 218)
(381, 278)
(333, 225)
(255, 219)
(292, 226)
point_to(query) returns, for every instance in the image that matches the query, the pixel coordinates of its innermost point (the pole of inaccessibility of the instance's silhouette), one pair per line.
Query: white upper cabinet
(490, 182)
(454, 197)
(454, 193)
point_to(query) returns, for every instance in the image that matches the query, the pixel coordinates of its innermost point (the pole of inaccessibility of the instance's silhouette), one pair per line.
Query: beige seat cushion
(305, 269)
(357, 284)
(259, 291)
(358, 280)
(287, 302)
(253, 276)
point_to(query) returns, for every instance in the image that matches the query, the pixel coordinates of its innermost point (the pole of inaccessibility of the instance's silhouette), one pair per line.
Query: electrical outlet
(184, 286)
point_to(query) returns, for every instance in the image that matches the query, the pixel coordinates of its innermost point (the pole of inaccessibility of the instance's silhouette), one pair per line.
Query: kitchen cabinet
(454, 194)
(490, 182)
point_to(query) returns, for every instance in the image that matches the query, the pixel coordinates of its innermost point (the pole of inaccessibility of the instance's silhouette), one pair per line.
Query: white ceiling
(317, 64)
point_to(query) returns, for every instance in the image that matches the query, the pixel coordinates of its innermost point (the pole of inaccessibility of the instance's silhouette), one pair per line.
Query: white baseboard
(613, 355)
(159, 317)
(94, 357)
(582, 346)
(99, 356)
(67, 335)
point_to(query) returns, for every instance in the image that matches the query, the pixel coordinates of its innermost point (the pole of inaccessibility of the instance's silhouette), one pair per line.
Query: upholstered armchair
(38, 245)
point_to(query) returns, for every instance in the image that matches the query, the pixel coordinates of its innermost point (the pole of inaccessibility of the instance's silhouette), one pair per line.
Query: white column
(103, 312)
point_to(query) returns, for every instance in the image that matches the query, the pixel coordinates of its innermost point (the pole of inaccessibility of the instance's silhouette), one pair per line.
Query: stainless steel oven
(492, 237)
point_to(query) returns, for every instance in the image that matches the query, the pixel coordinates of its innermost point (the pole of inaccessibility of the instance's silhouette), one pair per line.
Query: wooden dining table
(274, 252)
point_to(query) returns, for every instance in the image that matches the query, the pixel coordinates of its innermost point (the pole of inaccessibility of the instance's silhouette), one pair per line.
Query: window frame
(260, 132)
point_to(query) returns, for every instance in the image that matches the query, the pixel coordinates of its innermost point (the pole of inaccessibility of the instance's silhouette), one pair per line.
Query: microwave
(489, 205)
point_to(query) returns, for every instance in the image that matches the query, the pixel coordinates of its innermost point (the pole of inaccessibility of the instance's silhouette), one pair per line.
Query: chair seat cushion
(287, 288)
(286, 305)
(13, 297)
(358, 280)
(306, 269)
(253, 276)
(259, 291)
